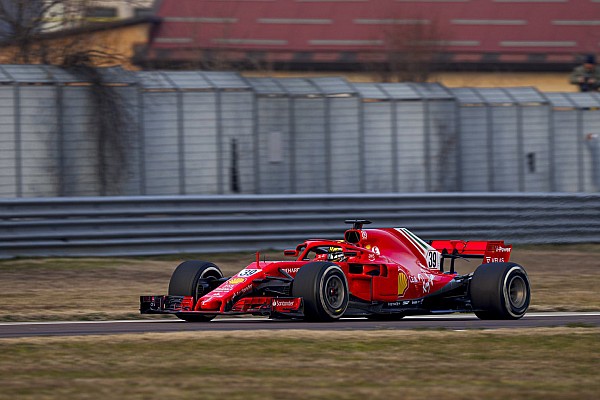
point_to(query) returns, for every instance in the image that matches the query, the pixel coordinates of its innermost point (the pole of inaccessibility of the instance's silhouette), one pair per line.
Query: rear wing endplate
(488, 251)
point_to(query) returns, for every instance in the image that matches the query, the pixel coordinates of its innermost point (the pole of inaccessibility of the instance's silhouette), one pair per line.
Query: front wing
(280, 307)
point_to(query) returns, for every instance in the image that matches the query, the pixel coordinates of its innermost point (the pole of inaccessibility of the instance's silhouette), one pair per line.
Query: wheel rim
(517, 291)
(334, 292)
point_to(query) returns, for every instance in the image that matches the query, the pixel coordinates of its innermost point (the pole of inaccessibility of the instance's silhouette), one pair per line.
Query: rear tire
(324, 289)
(500, 291)
(184, 282)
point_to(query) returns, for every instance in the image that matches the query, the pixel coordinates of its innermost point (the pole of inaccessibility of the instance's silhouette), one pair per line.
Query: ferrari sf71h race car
(375, 273)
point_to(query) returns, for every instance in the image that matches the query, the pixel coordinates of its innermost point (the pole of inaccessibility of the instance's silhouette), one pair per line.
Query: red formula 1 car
(377, 273)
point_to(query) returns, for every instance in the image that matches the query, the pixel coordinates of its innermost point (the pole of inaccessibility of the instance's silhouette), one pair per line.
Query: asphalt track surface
(451, 322)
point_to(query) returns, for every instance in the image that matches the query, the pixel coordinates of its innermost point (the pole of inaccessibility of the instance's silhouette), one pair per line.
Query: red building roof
(343, 33)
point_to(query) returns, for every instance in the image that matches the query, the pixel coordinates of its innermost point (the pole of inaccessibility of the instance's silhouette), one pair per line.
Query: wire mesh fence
(195, 132)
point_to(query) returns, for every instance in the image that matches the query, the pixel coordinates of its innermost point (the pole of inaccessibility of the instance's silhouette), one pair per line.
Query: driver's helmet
(335, 254)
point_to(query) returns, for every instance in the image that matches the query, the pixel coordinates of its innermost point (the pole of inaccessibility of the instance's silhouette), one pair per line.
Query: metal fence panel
(161, 143)
(536, 148)
(566, 150)
(474, 147)
(345, 161)
(193, 132)
(378, 147)
(310, 146)
(566, 143)
(441, 146)
(79, 143)
(200, 142)
(412, 164)
(39, 140)
(589, 126)
(128, 96)
(342, 126)
(505, 150)
(274, 145)
(237, 142)
(9, 144)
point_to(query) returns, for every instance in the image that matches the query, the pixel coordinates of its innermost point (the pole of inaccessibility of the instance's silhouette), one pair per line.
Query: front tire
(185, 282)
(324, 289)
(500, 291)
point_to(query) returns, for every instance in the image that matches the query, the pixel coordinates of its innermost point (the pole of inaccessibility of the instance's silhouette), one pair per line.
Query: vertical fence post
(181, 142)
(180, 133)
(256, 141)
(427, 150)
(362, 168)
(520, 140)
(292, 134)
(489, 138)
(552, 143)
(141, 138)
(220, 147)
(458, 145)
(328, 144)
(61, 140)
(579, 139)
(18, 140)
(293, 155)
(393, 101)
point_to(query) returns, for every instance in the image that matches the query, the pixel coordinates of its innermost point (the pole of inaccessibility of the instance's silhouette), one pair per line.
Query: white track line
(443, 316)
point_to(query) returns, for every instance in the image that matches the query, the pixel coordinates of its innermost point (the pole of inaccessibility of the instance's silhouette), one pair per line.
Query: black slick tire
(184, 282)
(500, 291)
(324, 289)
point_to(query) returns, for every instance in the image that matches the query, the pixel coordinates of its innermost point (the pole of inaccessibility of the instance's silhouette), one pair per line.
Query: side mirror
(290, 253)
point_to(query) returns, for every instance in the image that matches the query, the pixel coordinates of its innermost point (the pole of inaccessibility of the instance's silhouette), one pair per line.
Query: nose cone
(210, 305)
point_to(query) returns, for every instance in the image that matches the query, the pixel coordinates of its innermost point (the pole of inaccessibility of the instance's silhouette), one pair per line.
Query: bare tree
(412, 48)
(27, 25)
(21, 22)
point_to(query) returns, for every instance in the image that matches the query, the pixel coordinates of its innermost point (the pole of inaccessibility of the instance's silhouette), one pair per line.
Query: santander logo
(284, 303)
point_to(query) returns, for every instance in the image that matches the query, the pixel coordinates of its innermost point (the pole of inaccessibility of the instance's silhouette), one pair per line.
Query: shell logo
(402, 283)
(235, 281)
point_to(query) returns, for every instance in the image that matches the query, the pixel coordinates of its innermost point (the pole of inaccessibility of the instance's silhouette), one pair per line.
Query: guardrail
(119, 226)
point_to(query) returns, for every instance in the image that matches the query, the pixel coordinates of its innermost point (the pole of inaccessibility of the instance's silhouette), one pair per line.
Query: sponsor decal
(427, 281)
(495, 259)
(501, 249)
(333, 249)
(221, 290)
(235, 281)
(363, 234)
(376, 250)
(241, 291)
(291, 271)
(245, 273)
(283, 303)
(402, 283)
(405, 303)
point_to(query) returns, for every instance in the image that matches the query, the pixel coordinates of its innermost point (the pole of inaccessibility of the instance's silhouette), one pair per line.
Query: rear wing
(488, 251)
